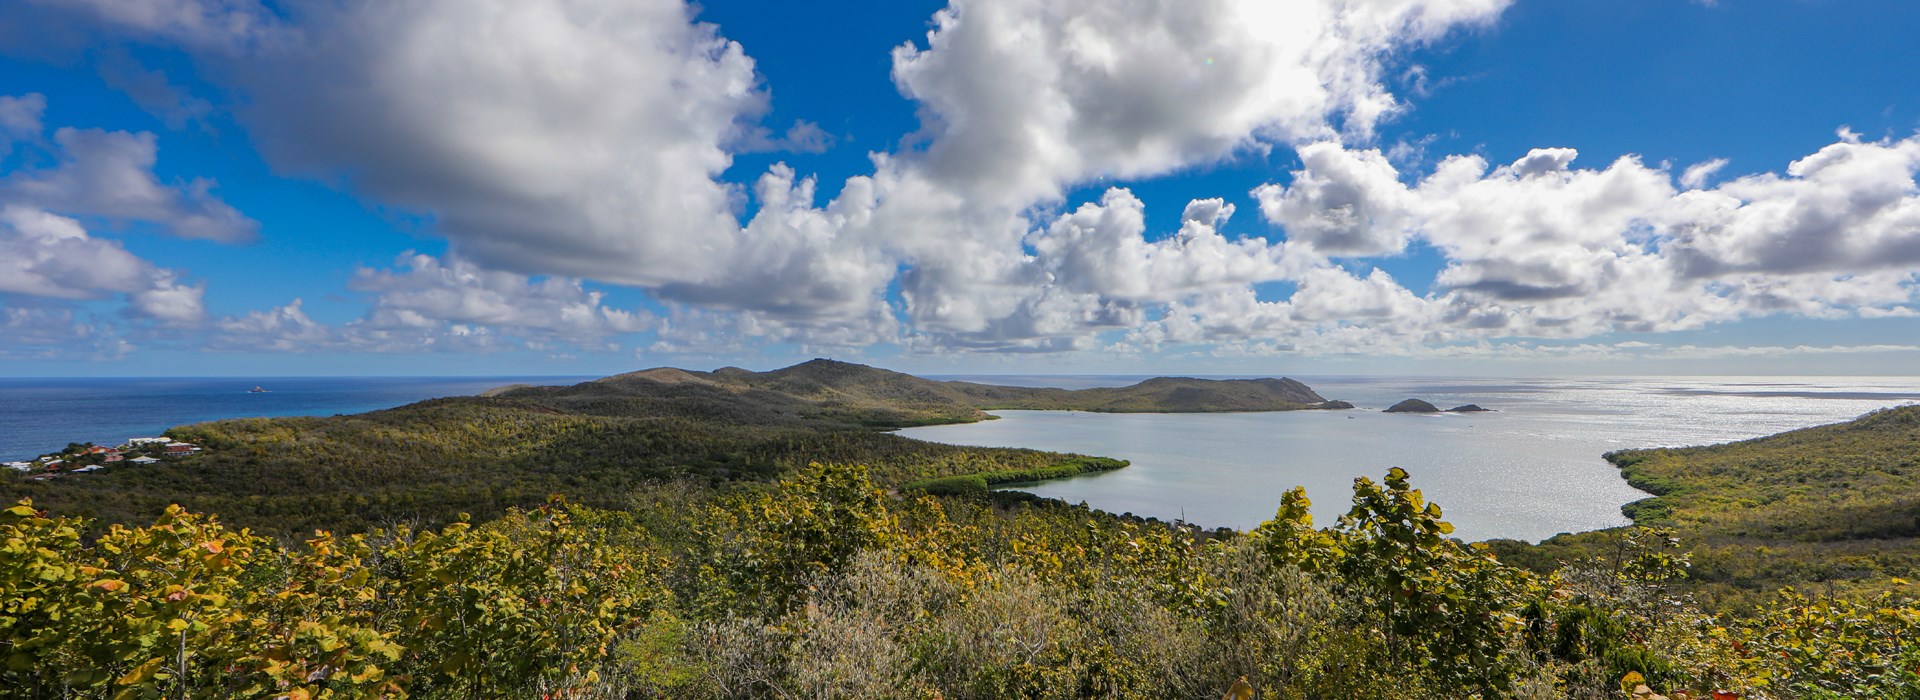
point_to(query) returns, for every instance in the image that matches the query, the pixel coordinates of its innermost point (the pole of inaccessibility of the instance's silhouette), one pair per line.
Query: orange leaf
(110, 585)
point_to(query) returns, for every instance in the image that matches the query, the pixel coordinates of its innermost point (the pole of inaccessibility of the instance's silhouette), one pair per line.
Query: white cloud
(563, 143)
(1541, 248)
(1021, 100)
(430, 294)
(1698, 175)
(1851, 207)
(1023, 97)
(501, 121)
(109, 174)
(1341, 202)
(51, 256)
(568, 137)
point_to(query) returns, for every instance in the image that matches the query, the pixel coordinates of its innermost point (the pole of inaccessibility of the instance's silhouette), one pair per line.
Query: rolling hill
(597, 443)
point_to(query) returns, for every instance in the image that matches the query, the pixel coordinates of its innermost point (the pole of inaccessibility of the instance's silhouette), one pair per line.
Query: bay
(1532, 469)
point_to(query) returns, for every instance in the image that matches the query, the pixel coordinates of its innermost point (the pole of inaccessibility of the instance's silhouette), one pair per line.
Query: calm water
(1529, 471)
(43, 415)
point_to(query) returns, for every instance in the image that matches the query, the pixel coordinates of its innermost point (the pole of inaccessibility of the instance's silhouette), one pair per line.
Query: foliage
(1433, 600)
(186, 607)
(725, 545)
(979, 483)
(1835, 506)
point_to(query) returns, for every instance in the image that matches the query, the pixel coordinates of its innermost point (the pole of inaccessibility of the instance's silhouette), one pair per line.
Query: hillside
(1158, 395)
(598, 443)
(1834, 505)
(827, 389)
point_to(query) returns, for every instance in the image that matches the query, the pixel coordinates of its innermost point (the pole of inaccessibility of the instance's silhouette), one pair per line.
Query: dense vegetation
(426, 463)
(823, 585)
(1158, 395)
(979, 483)
(696, 551)
(1836, 507)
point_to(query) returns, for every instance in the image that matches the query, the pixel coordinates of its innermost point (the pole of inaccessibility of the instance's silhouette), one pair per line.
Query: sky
(575, 187)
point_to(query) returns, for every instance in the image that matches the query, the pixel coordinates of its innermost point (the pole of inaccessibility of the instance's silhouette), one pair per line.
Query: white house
(20, 466)
(149, 441)
(143, 461)
(92, 468)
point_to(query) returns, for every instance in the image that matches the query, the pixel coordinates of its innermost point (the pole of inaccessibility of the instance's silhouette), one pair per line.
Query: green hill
(1835, 505)
(1158, 395)
(597, 443)
(832, 390)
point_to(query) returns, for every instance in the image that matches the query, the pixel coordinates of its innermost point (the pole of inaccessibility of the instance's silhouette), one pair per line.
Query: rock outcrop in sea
(1413, 406)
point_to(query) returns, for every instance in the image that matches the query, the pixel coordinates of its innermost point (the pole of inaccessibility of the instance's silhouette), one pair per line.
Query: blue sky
(347, 188)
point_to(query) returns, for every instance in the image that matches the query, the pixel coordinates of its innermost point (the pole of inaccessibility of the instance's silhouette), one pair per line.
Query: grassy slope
(595, 442)
(1159, 395)
(1833, 505)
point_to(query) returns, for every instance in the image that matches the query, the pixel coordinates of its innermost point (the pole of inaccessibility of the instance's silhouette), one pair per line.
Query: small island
(1413, 406)
(1419, 406)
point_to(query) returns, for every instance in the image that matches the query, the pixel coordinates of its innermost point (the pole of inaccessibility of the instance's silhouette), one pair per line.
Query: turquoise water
(1529, 471)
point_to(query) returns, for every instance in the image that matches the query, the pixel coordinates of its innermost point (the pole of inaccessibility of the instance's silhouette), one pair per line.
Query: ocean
(43, 415)
(1528, 471)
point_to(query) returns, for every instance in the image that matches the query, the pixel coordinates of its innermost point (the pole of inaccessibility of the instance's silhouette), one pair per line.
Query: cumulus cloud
(1020, 101)
(569, 137)
(559, 144)
(1341, 202)
(109, 174)
(1539, 247)
(46, 255)
(427, 293)
(527, 161)
(1024, 97)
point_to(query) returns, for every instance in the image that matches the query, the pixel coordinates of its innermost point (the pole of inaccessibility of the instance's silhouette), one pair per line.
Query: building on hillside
(148, 441)
(89, 468)
(113, 457)
(143, 461)
(20, 466)
(176, 448)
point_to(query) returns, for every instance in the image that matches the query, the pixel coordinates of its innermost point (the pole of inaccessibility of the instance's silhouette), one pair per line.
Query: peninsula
(598, 442)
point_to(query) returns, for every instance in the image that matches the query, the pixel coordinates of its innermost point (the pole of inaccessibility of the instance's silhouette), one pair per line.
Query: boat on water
(258, 390)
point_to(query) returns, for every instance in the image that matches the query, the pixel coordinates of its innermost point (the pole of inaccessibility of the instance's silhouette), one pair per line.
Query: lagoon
(1528, 471)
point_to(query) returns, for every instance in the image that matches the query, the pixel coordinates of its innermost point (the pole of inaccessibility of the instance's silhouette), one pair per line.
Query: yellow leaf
(1633, 678)
(1240, 690)
(110, 585)
(141, 674)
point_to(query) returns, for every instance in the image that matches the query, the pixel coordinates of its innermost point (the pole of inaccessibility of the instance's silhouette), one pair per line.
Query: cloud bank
(564, 145)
